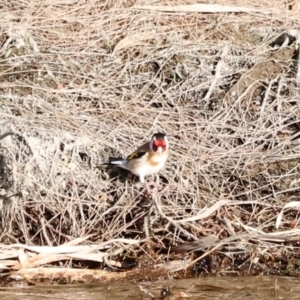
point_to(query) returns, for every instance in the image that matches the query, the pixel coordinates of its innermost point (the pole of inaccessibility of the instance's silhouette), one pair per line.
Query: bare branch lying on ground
(200, 8)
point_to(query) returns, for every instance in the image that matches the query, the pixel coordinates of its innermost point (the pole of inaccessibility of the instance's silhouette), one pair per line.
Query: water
(242, 288)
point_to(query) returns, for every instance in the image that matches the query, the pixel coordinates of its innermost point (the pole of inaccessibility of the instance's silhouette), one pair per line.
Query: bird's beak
(159, 150)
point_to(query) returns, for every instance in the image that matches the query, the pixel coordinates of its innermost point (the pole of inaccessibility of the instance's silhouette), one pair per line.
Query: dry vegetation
(85, 80)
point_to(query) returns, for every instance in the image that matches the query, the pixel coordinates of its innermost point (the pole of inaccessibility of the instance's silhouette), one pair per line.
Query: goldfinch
(148, 159)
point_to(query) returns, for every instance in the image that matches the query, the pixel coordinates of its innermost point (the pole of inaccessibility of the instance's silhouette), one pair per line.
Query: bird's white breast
(152, 169)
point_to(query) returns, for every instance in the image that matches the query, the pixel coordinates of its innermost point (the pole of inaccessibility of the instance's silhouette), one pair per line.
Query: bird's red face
(159, 146)
(159, 143)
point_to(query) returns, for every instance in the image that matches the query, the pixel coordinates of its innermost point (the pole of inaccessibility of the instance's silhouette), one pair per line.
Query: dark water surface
(245, 288)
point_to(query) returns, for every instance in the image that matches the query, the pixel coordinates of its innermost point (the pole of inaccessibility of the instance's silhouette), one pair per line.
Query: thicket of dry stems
(85, 80)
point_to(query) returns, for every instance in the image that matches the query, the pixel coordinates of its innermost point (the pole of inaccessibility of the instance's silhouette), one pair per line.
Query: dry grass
(86, 80)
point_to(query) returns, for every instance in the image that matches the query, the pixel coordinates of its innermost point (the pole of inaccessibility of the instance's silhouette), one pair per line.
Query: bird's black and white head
(159, 143)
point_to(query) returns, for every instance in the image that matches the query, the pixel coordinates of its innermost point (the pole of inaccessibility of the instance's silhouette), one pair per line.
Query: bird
(147, 160)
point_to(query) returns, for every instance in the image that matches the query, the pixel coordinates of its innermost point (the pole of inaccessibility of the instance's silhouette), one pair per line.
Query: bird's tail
(117, 161)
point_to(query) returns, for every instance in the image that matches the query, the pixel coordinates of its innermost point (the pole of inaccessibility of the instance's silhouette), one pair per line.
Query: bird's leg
(148, 188)
(142, 180)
